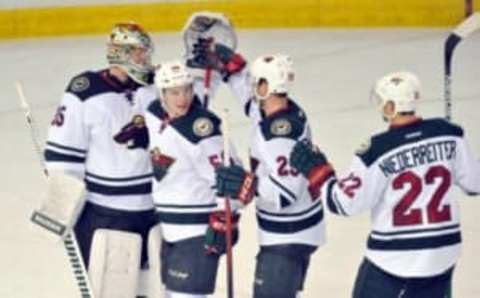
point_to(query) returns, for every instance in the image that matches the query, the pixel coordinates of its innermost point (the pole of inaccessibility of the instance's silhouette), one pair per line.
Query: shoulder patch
(87, 85)
(281, 127)
(197, 125)
(202, 127)
(364, 147)
(80, 84)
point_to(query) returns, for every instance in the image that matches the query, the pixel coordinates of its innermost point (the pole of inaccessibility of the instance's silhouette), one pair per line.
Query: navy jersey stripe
(124, 179)
(284, 188)
(139, 189)
(295, 214)
(55, 156)
(288, 227)
(56, 145)
(183, 218)
(334, 205)
(185, 206)
(418, 131)
(406, 232)
(430, 242)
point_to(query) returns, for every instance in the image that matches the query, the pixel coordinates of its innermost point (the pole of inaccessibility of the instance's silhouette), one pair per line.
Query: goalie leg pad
(61, 206)
(281, 270)
(115, 263)
(186, 268)
(149, 284)
(96, 217)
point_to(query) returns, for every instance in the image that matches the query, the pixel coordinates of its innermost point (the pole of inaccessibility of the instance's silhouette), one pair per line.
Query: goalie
(98, 135)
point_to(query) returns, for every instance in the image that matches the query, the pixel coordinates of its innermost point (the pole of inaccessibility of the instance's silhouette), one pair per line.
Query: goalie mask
(131, 48)
(276, 70)
(401, 88)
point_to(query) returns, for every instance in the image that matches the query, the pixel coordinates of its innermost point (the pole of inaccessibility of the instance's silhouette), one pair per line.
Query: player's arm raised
(348, 195)
(467, 168)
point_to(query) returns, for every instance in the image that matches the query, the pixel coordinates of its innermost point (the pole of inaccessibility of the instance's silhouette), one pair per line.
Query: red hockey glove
(215, 239)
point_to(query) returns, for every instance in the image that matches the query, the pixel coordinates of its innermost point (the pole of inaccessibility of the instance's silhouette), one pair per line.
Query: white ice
(335, 69)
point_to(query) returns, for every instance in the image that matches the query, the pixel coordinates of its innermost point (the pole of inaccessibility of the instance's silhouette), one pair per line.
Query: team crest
(202, 127)
(80, 84)
(281, 127)
(364, 147)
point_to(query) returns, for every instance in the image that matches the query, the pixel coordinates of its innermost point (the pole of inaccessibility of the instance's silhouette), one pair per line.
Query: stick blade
(467, 27)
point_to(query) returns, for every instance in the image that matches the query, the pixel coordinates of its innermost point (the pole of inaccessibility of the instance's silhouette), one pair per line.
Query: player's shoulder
(381, 143)
(442, 127)
(156, 109)
(198, 124)
(289, 123)
(88, 84)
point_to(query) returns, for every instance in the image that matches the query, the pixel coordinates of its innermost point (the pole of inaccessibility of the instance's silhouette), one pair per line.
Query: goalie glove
(215, 239)
(216, 56)
(313, 164)
(234, 182)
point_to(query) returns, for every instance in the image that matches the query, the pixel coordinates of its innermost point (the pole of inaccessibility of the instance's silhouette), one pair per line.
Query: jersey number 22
(403, 215)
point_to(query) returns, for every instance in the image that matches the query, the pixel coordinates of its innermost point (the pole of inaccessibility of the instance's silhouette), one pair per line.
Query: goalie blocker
(61, 206)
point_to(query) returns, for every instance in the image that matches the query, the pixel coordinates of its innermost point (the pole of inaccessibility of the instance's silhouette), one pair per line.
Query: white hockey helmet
(123, 40)
(402, 88)
(172, 74)
(276, 70)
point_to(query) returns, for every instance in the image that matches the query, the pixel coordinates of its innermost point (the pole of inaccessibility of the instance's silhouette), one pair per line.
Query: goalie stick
(467, 27)
(208, 25)
(69, 242)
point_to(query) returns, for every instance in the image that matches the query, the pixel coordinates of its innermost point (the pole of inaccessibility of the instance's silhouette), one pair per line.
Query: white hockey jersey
(405, 177)
(286, 212)
(185, 196)
(98, 134)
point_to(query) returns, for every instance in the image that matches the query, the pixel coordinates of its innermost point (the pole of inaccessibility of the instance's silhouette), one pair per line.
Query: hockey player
(404, 176)
(290, 218)
(186, 146)
(98, 135)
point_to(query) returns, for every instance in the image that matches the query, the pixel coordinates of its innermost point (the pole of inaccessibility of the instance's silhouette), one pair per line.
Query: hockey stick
(70, 242)
(208, 25)
(228, 210)
(467, 27)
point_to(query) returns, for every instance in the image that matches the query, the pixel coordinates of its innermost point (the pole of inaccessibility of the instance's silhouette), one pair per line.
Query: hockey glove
(236, 183)
(215, 239)
(160, 163)
(313, 164)
(219, 57)
(134, 134)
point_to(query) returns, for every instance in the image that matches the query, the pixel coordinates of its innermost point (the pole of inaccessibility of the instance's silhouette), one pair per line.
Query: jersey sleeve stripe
(59, 146)
(284, 189)
(51, 156)
(415, 243)
(333, 205)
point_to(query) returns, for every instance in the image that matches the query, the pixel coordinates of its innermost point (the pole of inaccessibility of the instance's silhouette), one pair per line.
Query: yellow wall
(28, 22)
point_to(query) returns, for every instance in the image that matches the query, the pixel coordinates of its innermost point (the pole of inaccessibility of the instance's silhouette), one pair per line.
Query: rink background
(335, 69)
